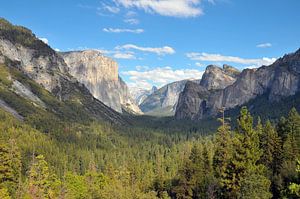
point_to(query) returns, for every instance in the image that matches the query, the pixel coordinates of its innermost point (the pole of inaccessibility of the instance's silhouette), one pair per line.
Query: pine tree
(271, 145)
(223, 151)
(292, 141)
(243, 168)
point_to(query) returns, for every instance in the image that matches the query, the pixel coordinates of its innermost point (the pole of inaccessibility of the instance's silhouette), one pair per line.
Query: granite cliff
(100, 75)
(277, 81)
(192, 101)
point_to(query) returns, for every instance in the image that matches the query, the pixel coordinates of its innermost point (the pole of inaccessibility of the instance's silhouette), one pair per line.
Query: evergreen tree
(243, 167)
(271, 145)
(222, 156)
(291, 145)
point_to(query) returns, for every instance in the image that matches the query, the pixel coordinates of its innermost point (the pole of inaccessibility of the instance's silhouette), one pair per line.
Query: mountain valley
(72, 128)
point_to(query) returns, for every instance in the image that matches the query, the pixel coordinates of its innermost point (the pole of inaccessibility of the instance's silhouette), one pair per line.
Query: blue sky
(159, 41)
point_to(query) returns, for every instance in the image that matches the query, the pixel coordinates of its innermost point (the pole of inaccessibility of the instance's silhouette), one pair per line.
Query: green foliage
(39, 183)
(23, 36)
(4, 193)
(97, 160)
(4, 76)
(10, 167)
(294, 188)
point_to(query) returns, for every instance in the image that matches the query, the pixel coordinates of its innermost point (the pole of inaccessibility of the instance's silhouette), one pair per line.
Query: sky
(156, 42)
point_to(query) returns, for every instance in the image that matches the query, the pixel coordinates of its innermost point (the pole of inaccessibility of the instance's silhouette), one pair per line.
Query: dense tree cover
(72, 160)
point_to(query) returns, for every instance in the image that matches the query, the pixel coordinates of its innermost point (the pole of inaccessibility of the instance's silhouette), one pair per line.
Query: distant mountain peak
(230, 88)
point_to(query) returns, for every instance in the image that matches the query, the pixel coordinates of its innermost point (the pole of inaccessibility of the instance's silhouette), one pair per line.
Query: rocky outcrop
(100, 75)
(43, 65)
(218, 78)
(277, 81)
(192, 101)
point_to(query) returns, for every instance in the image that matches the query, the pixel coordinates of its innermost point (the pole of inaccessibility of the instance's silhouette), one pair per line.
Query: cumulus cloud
(264, 45)
(45, 40)
(120, 30)
(173, 8)
(222, 58)
(161, 76)
(160, 50)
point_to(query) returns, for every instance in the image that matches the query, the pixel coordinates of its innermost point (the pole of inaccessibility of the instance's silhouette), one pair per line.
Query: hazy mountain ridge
(164, 100)
(140, 94)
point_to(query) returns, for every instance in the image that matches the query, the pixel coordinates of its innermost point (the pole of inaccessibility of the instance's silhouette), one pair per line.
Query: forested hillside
(97, 160)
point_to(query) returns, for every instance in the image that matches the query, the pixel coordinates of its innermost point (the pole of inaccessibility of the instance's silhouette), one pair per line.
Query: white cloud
(130, 14)
(173, 8)
(45, 40)
(122, 55)
(119, 30)
(57, 50)
(161, 76)
(142, 85)
(111, 9)
(117, 54)
(132, 21)
(223, 58)
(199, 64)
(264, 45)
(139, 68)
(160, 51)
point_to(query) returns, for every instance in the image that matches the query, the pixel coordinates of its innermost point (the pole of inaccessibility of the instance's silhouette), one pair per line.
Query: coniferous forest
(149, 99)
(97, 160)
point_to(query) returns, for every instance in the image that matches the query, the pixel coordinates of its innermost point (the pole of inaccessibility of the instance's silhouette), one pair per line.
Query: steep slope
(164, 100)
(100, 75)
(22, 51)
(275, 82)
(190, 100)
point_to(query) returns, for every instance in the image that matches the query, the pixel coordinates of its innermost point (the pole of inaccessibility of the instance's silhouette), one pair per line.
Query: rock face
(100, 75)
(218, 78)
(192, 101)
(43, 65)
(164, 100)
(277, 81)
